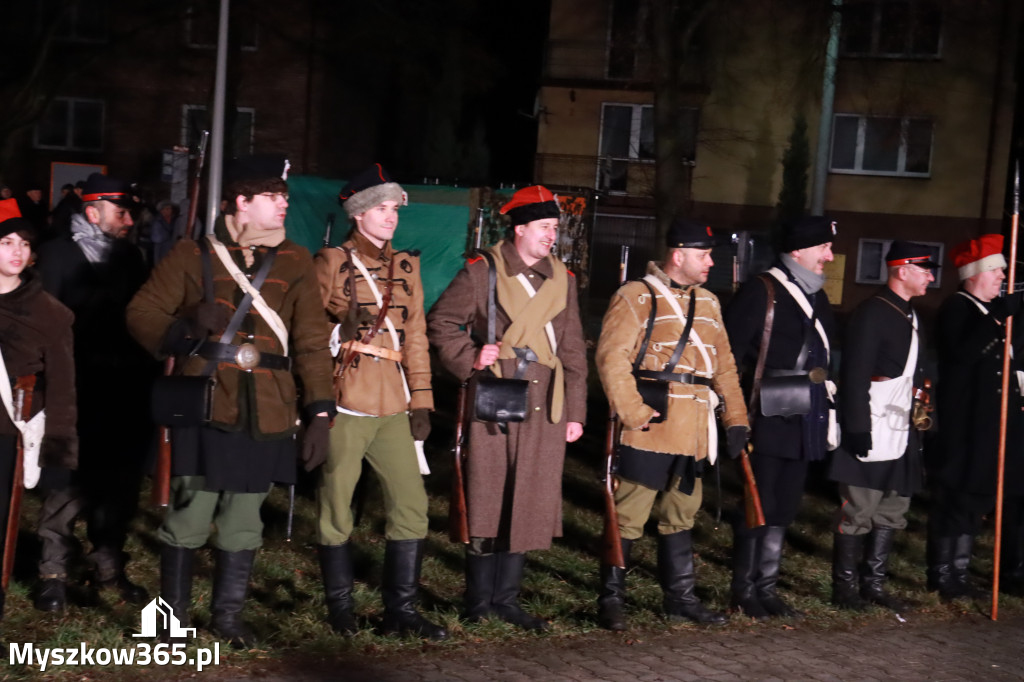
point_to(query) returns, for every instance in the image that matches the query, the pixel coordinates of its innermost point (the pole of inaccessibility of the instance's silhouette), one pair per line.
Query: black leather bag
(785, 396)
(654, 392)
(500, 400)
(182, 401)
(655, 395)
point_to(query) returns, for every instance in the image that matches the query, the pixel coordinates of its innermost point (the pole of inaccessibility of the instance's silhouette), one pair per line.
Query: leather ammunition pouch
(785, 396)
(182, 401)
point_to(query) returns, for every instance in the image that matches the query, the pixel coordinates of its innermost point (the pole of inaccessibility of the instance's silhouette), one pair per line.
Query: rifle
(751, 498)
(458, 518)
(23, 388)
(160, 495)
(611, 546)
(327, 230)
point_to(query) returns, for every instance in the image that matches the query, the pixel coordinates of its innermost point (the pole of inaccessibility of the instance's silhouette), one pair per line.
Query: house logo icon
(157, 616)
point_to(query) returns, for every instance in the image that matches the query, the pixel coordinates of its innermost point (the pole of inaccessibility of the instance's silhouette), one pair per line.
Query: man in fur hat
(374, 300)
(514, 469)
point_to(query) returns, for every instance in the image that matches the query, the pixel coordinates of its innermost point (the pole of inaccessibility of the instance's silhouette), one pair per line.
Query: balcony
(629, 177)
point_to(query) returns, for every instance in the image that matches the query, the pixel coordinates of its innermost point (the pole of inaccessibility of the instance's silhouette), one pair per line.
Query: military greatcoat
(514, 481)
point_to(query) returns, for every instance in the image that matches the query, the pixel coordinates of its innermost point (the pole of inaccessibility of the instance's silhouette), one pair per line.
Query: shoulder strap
(766, 335)
(204, 252)
(650, 328)
(685, 337)
(492, 287)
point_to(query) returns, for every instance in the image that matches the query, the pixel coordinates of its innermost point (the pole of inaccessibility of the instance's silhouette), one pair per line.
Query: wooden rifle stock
(23, 388)
(160, 495)
(611, 550)
(458, 518)
(751, 498)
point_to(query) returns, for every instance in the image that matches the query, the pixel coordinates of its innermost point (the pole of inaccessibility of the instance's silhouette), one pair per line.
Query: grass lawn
(286, 601)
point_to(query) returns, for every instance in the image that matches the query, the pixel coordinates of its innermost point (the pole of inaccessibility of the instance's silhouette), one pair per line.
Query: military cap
(806, 232)
(689, 234)
(255, 168)
(978, 255)
(99, 187)
(370, 188)
(531, 203)
(11, 220)
(909, 253)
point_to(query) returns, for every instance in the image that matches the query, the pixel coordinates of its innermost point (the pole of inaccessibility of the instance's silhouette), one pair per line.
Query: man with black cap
(95, 273)
(878, 465)
(532, 333)
(35, 341)
(241, 306)
(667, 328)
(374, 300)
(781, 328)
(963, 469)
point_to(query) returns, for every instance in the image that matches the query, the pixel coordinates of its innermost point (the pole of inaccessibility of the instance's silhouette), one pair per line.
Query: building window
(239, 128)
(881, 145)
(893, 29)
(71, 124)
(871, 267)
(84, 21)
(202, 20)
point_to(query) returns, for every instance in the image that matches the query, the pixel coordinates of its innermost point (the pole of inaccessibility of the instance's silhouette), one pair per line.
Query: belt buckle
(247, 356)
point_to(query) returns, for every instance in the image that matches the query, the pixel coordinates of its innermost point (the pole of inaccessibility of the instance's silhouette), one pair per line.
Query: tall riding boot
(505, 602)
(962, 547)
(940, 568)
(336, 569)
(230, 586)
(678, 580)
(402, 562)
(876, 560)
(768, 574)
(846, 554)
(480, 571)
(611, 603)
(176, 583)
(746, 547)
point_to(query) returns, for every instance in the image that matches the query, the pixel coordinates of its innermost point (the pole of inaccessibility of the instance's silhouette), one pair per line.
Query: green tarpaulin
(436, 222)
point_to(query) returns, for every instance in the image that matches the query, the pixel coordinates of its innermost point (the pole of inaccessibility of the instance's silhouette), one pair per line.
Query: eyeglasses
(274, 196)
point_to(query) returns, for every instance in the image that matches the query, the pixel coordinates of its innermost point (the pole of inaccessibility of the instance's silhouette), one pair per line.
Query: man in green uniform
(255, 346)
(374, 299)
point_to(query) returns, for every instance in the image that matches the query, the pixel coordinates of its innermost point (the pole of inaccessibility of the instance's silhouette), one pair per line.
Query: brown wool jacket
(684, 431)
(176, 286)
(35, 338)
(373, 385)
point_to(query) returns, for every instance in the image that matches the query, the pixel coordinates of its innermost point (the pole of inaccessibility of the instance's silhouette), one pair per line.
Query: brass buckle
(247, 356)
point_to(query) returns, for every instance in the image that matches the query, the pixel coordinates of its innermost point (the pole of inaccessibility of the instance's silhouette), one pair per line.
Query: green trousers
(387, 444)
(863, 509)
(194, 512)
(674, 511)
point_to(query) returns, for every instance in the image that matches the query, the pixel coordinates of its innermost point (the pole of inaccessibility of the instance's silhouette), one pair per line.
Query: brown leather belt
(376, 351)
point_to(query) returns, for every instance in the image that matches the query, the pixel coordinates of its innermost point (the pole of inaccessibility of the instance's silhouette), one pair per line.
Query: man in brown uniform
(374, 299)
(514, 471)
(661, 457)
(257, 347)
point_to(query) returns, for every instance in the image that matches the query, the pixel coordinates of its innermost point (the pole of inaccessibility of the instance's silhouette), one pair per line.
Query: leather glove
(858, 444)
(316, 443)
(1012, 303)
(419, 423)
(736, 438)
(207, 319)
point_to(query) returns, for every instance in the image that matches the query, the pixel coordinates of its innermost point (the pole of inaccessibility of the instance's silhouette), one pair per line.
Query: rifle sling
(762, 353)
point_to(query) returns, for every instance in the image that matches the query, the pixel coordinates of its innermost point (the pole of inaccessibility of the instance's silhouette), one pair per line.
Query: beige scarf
(529, 315)
(252, 235)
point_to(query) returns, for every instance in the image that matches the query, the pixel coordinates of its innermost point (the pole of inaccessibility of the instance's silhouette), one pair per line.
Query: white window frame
(185, 108)
(901, 162)
(876, 31)
(872, 270)
(70, 126)
(635, 129)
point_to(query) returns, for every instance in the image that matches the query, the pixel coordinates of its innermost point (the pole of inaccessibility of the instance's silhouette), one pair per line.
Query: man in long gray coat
(514, 470)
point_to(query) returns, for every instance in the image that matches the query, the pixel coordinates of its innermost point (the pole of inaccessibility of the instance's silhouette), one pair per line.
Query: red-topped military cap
(978, 255)
(909, 253)
(531, 203)
(99, 187)
(11, 220)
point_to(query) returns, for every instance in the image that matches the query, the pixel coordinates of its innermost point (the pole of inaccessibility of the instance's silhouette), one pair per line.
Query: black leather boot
(940, 568)
(846, 554)
(402, 561)
(505, 602)
(480, 570)
(678, 581)
(745, 561)
(963, 545)
(52, 595)
(1011, 579)
(611, 603)
(126, 589)
(336, 570)
(876, 559)
(768, 574)
(230, 586)
(176, 583)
